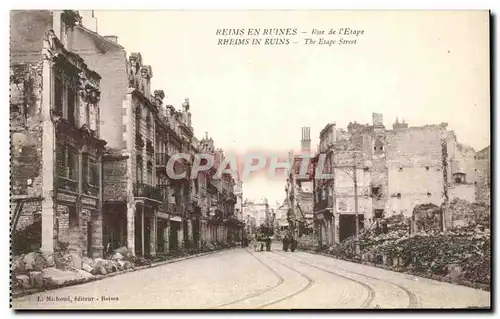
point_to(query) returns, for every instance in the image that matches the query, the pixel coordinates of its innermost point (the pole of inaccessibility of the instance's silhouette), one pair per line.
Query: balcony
(149, 147)
(139, 142)
(67, 184)
(90, 189)
(148, 191)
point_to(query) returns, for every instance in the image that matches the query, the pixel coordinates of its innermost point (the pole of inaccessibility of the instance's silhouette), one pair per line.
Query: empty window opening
(378, 213)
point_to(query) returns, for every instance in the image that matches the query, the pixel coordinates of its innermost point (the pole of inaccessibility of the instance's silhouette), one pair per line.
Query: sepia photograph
(250, 159)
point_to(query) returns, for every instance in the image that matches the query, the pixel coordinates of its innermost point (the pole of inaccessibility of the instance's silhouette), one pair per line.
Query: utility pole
(292, 195)
(332, 190)
(356, 204)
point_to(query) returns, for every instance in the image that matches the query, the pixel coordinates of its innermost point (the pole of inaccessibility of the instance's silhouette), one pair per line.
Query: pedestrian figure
(261, 244)
(268, 243)
(286, 242)
(255, 244)
(293, 244)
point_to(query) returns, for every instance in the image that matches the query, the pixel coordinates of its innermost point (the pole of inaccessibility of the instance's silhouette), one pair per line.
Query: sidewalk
(63, 278)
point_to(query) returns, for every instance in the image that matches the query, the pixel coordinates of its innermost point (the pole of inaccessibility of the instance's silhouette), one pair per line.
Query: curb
(100, 277)
(416, 274)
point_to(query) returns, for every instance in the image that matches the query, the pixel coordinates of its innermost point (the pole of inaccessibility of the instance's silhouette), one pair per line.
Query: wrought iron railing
(67, 184)
(91, 190)
(147, 191)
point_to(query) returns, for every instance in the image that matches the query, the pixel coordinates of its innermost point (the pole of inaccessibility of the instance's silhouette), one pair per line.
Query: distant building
(258, 211)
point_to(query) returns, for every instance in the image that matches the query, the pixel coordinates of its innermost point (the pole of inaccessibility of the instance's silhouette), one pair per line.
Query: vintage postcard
(293, 159)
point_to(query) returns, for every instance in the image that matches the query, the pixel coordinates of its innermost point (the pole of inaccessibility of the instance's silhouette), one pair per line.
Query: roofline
(99, 36)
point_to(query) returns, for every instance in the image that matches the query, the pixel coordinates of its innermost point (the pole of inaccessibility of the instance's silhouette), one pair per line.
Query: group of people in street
(258, 243)
(289, 242)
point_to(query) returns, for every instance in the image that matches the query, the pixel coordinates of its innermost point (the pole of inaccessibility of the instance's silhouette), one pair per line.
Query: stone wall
(115, 179)
(109, 60)
(483, 176)
(26, 129)
(27, 28)
(415, 168)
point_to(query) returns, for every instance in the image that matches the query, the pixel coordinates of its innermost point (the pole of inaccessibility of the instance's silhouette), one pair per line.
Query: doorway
(347, 225)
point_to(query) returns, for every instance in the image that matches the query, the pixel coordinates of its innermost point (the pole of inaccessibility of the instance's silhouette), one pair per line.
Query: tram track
(413, 299)
(371, 292)
(281, 280)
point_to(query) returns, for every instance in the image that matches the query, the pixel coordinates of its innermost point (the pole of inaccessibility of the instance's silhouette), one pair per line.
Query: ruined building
(299, 188)
(395, 171)
(57, 147)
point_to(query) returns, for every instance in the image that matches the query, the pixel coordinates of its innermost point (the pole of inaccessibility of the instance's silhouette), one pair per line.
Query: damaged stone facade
(397, 170)
(483, 176)
(83, 197)
(56, 150)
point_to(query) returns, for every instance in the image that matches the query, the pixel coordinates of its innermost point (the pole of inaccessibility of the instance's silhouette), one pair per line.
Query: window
(378, 147)
(376, 191)
(93, 172)
(459, 178)
(71, 106)
(90, 174)
(138, 119)
(87, 116)
(67, 167)
(401, 169)
(72, 164)
(427, 168)
(148, 125)
(150, 173)
(378, 213)
(65, 97)
(58, 95)
(139, 171)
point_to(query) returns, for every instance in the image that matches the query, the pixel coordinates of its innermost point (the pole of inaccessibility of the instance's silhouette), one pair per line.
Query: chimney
(377, 119)
(305, 143)
(112, 38)
(88, 20)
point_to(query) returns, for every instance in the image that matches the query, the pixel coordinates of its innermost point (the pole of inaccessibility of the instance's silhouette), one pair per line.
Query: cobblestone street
(244, 279)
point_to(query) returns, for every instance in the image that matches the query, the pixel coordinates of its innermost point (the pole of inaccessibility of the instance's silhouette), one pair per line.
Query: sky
(424, 67)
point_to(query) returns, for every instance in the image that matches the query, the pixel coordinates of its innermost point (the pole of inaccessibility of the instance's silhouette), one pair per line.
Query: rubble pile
(462, 253)
(36, 270)
(466, 214)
